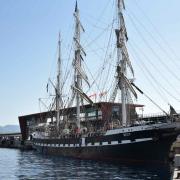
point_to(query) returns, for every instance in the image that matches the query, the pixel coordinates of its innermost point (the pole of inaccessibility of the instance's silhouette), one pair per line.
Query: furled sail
(81, 72)
(121, 1)
(128, 85)
(82, 94)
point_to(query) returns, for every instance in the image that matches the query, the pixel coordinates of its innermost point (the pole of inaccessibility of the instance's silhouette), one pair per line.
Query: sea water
(16, 164)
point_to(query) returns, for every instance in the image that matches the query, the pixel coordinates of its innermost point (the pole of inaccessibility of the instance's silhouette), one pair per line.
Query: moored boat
(103, 130)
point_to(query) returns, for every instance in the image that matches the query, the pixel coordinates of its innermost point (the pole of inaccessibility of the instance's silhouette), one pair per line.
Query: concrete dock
(175, 159)
(14, 140)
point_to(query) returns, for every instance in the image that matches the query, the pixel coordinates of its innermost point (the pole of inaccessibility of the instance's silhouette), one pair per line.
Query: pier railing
(154, 115)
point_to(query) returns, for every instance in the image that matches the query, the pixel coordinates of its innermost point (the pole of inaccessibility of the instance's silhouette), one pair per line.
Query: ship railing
(159, 114)
(153, 117)
(156, 117)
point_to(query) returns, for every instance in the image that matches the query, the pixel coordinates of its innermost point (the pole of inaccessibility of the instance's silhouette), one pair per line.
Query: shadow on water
(30, 165)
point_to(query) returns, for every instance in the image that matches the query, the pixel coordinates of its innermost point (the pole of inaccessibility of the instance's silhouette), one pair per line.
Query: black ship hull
(139, 146)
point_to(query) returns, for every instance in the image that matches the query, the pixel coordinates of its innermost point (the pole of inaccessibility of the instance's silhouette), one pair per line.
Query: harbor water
(16, 164)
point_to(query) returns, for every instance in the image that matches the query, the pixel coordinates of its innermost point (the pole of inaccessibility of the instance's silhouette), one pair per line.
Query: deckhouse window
(93, 113)
(115, 111)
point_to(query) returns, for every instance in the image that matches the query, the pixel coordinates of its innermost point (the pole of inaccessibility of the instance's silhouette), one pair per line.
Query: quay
(175, 159)
(10, 140)
(14, 140)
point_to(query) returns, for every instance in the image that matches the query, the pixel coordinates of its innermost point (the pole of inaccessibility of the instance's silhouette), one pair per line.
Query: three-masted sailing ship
(106, 130)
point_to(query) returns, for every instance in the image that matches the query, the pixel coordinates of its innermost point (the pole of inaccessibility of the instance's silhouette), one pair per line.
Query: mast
(122, 82)
(58, 85)
(78, 81)
(120, 55)
(79, 73)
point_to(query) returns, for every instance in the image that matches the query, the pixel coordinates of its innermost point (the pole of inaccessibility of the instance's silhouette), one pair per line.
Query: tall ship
(105, 130)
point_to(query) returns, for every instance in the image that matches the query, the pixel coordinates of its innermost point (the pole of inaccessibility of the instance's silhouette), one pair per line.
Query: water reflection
(15, 164)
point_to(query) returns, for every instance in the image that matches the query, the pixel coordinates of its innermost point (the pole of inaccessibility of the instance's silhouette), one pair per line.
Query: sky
(28, 47)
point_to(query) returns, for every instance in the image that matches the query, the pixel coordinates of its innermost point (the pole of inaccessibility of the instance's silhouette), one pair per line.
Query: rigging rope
(106, 59)
(150, 74)
(160, 35)
(150, 99)
(142, 67)
(152, 50)
(157, 70)
(98, 20)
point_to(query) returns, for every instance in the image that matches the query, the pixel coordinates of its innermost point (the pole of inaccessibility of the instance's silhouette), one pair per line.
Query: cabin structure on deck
(95, 115)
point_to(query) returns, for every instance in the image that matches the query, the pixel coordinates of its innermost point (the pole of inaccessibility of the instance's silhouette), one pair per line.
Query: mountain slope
(10, 129)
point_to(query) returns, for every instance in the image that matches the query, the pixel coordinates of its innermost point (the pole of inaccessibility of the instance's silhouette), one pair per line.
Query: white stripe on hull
(96, 143)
